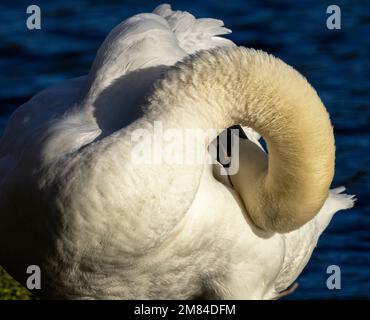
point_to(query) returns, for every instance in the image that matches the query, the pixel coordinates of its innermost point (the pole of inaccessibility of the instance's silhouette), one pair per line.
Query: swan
(101, 226)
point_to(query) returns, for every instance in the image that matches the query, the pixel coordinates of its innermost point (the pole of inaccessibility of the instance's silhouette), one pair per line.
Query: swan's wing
(194, 34)
(300, 243)
(136, 53)
(142, 41)
(29, 125)
(159, 38)
(50, 117)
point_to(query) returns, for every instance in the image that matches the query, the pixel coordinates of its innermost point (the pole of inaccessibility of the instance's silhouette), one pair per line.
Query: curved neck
(223, 87)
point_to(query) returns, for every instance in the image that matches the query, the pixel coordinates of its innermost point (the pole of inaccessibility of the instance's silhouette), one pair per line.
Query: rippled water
(337, 63)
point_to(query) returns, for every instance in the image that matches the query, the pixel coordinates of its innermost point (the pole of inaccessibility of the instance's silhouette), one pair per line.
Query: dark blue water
(336, 62)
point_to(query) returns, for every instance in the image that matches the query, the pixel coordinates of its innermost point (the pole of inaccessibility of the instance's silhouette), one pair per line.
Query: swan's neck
(239, 86)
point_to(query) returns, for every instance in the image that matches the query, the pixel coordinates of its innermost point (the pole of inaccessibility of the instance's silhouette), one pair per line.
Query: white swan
(101, 226)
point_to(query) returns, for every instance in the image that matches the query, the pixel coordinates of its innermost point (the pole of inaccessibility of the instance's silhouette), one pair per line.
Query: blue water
(336, 62)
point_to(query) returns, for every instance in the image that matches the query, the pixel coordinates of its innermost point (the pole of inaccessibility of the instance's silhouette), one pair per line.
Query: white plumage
(100, 226)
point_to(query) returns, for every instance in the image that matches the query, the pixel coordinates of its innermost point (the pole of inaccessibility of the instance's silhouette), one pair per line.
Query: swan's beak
(225, 144)
(226, 153)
